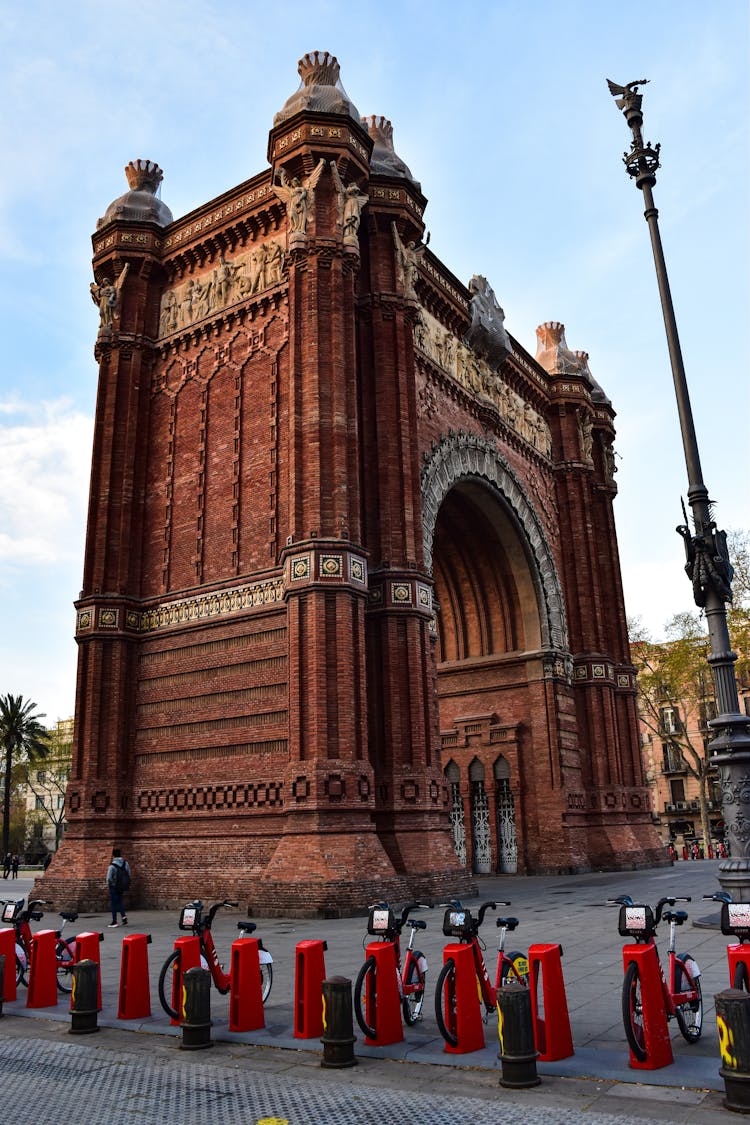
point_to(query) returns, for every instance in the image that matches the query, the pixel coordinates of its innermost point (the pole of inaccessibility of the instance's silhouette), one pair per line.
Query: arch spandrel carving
(463, 456)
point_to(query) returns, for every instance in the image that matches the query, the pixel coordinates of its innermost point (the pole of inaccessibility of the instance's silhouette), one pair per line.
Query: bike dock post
(134, 999)
(656, 1039)
(87, 949)
(382, 999)
(310, 972)
(189, 949)
(246, 987)
(8, 979)
(42, 990)
(738, 955)
(551, 1020)
(468, 1030)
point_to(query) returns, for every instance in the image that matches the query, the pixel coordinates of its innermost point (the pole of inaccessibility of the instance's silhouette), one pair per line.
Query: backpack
(121, 880)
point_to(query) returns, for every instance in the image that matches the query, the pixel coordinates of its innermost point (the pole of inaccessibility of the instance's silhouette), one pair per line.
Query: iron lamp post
(707, 560)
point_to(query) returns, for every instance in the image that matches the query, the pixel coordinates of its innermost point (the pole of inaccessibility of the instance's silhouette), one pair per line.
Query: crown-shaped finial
(379, 128)
(318, 68)
(144, 175)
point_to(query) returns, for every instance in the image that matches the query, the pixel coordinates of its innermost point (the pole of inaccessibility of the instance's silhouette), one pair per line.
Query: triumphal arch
(351, 624)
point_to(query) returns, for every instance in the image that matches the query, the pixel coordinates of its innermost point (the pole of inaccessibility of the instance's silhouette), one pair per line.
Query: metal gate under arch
(507, 841)
(456, 815)
(480, 821)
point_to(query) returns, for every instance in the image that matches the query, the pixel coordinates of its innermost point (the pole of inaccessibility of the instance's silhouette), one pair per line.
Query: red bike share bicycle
(681, 986)
(513, 967)
(383, 924)
(14, 915)
(196, 922)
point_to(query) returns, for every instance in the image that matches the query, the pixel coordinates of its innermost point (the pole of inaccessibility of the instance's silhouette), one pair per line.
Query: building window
(39, 803)
(41, 776)
(669, 720)
(60, 801)
(677, 788)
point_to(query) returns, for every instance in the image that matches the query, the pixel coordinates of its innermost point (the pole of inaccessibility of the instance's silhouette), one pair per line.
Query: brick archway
(461, 457)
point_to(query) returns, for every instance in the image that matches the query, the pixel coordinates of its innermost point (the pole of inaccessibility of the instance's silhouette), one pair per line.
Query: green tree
(675, 683)
(22, 738)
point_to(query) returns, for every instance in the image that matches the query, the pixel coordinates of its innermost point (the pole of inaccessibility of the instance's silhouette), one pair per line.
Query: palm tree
(21, 736)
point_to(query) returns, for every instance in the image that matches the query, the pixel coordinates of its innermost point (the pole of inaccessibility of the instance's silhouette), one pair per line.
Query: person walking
(15, 865)
(118, 881)
(7, 863)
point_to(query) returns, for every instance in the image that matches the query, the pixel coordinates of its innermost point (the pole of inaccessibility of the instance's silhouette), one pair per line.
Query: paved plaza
(281, 1076)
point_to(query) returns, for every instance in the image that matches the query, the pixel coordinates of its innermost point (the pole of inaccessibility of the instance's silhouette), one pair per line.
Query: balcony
(677, 806)
(673, 762)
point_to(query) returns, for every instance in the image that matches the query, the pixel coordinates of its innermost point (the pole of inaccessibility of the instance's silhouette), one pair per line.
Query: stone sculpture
(486, 334)
(349, 201)
(407, 261)
(106, 296)
(298, 196)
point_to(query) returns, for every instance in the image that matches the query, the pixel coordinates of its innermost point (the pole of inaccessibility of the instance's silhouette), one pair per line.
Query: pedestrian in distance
(118, 881)
(15, 865)
(7, 864)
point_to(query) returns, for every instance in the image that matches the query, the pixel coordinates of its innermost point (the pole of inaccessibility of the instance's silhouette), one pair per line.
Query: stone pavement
(565, 909)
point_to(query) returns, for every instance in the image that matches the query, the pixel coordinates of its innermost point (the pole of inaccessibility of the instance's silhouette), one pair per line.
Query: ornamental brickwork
(351, 624)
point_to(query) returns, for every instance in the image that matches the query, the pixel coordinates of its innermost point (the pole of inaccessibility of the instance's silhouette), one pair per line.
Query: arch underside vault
(499, 620)
(490, 547)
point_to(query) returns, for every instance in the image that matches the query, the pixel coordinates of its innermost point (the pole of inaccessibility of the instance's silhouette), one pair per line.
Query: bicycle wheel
(266, 980)
(690, 1014)
(20, 972)
(362, 984)
(65, 959)
(412, 1002)
(445, 1003)
(632, 1012)
(515, 969)
(166, 980)
(740, 977)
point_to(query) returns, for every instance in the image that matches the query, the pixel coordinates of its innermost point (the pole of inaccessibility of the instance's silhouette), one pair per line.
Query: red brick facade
(338, 544)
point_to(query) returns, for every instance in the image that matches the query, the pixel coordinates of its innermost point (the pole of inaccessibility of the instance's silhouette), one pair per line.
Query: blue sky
(502, 112)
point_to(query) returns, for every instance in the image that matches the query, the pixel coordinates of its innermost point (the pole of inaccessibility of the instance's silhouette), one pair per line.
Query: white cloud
(45, 452)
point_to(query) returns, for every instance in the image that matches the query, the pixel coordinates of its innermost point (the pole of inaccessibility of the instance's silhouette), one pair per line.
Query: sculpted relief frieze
(477, 376)
(230, 282)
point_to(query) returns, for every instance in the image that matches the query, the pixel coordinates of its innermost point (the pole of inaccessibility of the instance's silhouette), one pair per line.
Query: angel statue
(350, 202)
(298, 196)
(106, 296)
(407, 259)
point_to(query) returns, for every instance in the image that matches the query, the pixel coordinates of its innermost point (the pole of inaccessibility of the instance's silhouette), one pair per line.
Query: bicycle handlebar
(483, 909)
(720, 896)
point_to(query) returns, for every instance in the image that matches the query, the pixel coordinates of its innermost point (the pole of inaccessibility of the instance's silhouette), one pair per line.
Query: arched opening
(483, 583)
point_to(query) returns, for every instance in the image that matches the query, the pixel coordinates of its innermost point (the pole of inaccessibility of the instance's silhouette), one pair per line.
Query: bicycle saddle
(69, 915)
(676, 916)
(509, 923)
(247, 926)
(417, 924)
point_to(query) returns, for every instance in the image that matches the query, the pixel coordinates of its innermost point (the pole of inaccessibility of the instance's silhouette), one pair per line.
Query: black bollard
(518, 1053)
(196, 1018)
(338, 1024)
(84, 999)
(733, 1024)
